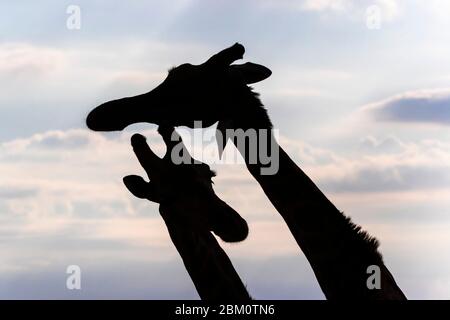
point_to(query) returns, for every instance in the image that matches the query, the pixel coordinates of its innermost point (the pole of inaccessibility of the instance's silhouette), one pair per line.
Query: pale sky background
(365, 112)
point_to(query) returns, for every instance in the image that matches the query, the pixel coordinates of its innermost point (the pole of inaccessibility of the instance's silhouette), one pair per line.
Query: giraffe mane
(360, 238)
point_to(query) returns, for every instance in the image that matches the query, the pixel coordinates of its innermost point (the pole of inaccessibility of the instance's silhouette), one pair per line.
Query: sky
(360, 96)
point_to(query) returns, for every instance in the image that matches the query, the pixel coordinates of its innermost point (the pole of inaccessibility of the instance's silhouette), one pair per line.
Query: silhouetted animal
(212, 91)
(186, 188)
(339, 252)
(186, 197)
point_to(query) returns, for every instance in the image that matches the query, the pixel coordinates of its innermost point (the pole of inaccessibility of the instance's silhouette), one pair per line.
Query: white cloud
(77, 173)
(26, 60)
(66, 185)
(389, 165)
(422, 106)
(53, 87)
(439, 8)
(390, 9)
(320, 5)
(70, 182)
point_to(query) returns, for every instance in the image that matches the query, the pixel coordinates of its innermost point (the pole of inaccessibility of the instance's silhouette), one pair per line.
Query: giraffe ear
(251, 72)
(140, 188)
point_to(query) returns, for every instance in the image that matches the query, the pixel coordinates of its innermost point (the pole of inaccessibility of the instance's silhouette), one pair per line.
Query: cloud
(439, 9)
(320, 5)
(372, 145)
(62, 202)
(19, 60)
(69, 182)
(62, 193)
(48, 87)
(64, 169)
(424, 106)
(378, 165)
(390, 9)
(53, 139)
(12, 192)
(395, 177)
(77, 173)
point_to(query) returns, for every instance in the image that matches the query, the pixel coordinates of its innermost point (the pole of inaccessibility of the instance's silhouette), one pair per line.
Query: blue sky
(365, 112)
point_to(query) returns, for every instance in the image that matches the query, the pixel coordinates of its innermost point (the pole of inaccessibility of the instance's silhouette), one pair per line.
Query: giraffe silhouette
(209, 92)
(339, 251)
(190, 208)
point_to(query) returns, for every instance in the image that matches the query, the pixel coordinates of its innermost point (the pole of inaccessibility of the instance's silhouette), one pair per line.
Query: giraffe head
(184, 191)
(215, 90)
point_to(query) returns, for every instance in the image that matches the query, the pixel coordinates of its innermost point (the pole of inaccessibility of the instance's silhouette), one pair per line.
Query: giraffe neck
(206, 262)
(337, 250)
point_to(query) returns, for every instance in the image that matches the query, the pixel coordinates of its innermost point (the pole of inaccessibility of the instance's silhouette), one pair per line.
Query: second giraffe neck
(338, 251)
